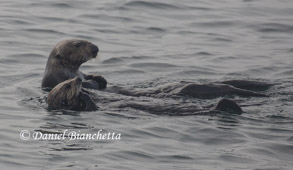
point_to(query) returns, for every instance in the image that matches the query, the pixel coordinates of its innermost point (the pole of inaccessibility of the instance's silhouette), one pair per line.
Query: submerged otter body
(213, 90)
(64, 62)
(196, 90)
(69, 95)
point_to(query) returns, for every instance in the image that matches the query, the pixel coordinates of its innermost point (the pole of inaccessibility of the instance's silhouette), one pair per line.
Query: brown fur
(64, 62)
(70, 96)
(65, 95)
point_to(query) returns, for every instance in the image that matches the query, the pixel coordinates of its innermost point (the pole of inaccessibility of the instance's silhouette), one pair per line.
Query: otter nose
(78, 79)
(95, 50)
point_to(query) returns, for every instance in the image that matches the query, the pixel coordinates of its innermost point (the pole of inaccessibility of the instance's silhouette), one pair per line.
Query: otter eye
(68, 86)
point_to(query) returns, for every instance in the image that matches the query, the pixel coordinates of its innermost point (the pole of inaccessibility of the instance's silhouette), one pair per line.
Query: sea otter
(70, 96)
(64, 62)
(67, 56)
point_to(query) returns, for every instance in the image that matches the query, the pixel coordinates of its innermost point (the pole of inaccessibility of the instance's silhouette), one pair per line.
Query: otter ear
(77, 44)
(58, 56)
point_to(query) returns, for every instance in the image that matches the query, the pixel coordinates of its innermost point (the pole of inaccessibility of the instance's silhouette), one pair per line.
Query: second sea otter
(69, 95)
(64, 62)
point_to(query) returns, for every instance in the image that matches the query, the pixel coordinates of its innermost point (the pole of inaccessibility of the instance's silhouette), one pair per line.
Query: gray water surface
(144, 44)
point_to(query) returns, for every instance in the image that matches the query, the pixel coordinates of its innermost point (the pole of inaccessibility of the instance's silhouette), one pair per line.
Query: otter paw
(101, 80)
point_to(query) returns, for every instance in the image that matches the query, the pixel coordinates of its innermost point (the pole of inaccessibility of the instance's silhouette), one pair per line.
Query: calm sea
(144, 44)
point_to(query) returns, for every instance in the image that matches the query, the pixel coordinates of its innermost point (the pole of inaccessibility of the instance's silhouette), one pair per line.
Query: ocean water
(145, 43)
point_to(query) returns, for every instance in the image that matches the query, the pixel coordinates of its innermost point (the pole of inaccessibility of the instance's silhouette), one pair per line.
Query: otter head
(74, 52)
(66, 95)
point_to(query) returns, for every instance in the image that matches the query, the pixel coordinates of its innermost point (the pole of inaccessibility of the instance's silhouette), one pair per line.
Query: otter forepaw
(101, 80)
(94, 82)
